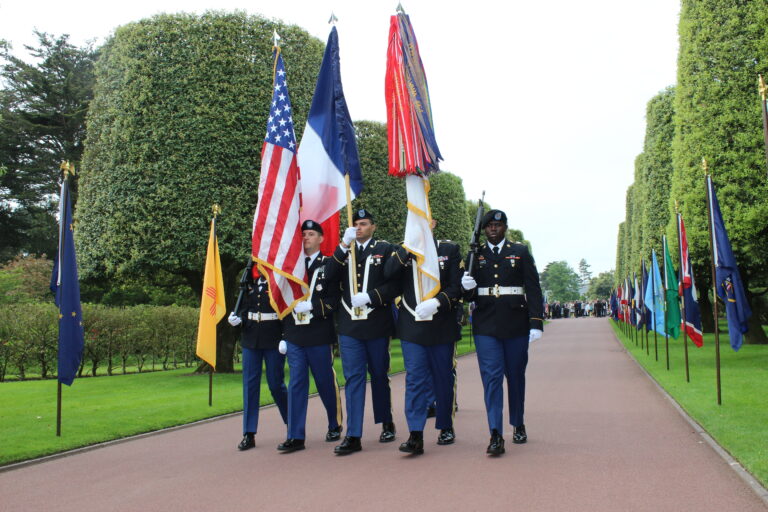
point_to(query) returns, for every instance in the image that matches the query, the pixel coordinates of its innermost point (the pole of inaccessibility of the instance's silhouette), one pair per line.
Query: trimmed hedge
(117, 340)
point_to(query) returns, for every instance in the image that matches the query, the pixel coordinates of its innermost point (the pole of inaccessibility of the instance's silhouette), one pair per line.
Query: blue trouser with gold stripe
(275, 364)
(301, 360)
(499, 358)
(425, 364)
(359, 357)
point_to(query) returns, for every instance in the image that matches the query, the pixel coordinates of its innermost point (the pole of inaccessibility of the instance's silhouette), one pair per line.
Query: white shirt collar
(500, 245)
(312, 258)
(364, 244)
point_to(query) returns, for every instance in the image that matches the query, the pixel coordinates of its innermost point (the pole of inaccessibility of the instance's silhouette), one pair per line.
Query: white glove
(468, 282)
(427, 308)
(234, 320)
(303, 307)
(349, 236)
(282, 347)
(534, 335)
(360, 299)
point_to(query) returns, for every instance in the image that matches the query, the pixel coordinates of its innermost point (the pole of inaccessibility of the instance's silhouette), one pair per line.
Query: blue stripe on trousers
(301, 360)
(359, 357)
(252, 367)
(425, 364)
(498, 358)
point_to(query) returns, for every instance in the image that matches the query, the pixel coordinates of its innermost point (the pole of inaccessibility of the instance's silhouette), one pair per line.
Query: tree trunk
(226, 337)
(705, 306)
(755, 335)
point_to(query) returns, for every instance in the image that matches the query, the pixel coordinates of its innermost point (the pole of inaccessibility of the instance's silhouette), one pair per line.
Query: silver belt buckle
(496, 292)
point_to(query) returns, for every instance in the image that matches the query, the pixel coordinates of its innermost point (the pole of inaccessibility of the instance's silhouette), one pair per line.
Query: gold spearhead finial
(705, 165)
(333, 19)
(400, 9)
(67, 168)
(216, 210)
(275, 39)
(677, 206)
(763, 88)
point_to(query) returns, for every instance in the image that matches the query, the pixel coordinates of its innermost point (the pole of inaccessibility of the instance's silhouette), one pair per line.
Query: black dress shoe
(333, 434)
(414, 444)
(496, 447)
(291, 445)
(387, 433)
(247, 443)
(348, 445)
(447, 436)
(520, 436)
(431, 413)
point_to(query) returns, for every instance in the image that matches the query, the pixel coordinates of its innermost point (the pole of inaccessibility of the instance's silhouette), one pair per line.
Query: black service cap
(497, 215)
(314, 226)
(362, 213)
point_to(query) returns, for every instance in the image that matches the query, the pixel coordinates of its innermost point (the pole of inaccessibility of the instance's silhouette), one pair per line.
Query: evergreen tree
(177, 124)
(43, 105)
(723, 48)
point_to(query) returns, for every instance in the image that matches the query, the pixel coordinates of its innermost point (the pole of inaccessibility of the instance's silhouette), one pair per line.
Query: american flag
(277, 245)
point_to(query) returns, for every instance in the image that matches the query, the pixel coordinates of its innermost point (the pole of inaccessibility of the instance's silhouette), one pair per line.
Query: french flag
(328, 150)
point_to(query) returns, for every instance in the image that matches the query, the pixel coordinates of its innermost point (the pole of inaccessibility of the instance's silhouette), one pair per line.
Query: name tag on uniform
(512, 260)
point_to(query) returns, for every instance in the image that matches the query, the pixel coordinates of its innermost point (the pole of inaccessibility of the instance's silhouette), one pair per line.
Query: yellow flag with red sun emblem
(212, 307)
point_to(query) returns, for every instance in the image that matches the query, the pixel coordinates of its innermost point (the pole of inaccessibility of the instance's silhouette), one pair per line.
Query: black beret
(497, 215)
(310, 224)
(362, 213)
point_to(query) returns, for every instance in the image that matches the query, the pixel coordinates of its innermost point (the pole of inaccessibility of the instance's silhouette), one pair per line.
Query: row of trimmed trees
(713, 112)
(117, 340)
(175, 123)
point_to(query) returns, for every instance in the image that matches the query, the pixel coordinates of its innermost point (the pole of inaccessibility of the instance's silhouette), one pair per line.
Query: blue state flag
(654, 296)
(66, 287)
(729, 286)
(647, 318)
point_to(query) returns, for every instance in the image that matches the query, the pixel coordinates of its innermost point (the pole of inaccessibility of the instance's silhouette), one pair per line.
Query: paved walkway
(601, 438)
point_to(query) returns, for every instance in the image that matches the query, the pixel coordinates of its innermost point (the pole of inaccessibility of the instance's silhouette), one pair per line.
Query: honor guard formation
(361, 297)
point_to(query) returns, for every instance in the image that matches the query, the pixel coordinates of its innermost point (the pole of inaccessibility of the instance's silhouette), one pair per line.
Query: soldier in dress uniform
(428, 334)
(365, 327)
(507, 317)
(261, 334)
(309, 335)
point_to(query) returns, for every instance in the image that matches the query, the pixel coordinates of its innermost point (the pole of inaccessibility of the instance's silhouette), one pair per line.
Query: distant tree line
(712, 112)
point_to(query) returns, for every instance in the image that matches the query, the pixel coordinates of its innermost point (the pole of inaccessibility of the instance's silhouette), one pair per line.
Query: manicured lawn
(105, 408)
(740, 424)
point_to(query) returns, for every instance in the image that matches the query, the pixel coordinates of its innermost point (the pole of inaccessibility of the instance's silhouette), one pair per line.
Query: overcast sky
(540, 104)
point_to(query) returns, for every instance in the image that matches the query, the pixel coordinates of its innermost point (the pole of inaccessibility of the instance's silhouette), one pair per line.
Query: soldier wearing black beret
(260, 337)
(508, 315)
(310, 333)
(365, 326)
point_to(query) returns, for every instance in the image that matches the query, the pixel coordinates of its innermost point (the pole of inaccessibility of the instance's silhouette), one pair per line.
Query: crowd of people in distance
(576, 309)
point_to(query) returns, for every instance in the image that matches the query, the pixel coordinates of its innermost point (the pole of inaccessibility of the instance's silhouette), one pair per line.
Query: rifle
(474, 242)
(243, 284)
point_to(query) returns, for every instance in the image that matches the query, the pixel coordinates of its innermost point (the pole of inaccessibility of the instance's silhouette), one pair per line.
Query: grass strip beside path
(740, 424)
(101, 409)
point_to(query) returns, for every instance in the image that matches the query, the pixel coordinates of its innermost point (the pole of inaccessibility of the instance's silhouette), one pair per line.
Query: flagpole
(67, 169)
(714, 278)
(764, 105)
(653, 294)
(682, 302)
(642, 301)
(216, 211)
(352, 256)
(666, 306)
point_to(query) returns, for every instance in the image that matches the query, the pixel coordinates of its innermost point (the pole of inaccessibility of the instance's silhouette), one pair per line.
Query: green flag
(672, 294)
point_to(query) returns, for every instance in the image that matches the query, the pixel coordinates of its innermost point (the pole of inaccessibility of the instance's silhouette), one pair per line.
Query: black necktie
(306, 263)
(496, 250)
(360, 248)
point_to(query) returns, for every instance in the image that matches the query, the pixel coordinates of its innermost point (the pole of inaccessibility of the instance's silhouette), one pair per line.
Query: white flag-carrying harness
(418, 237)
